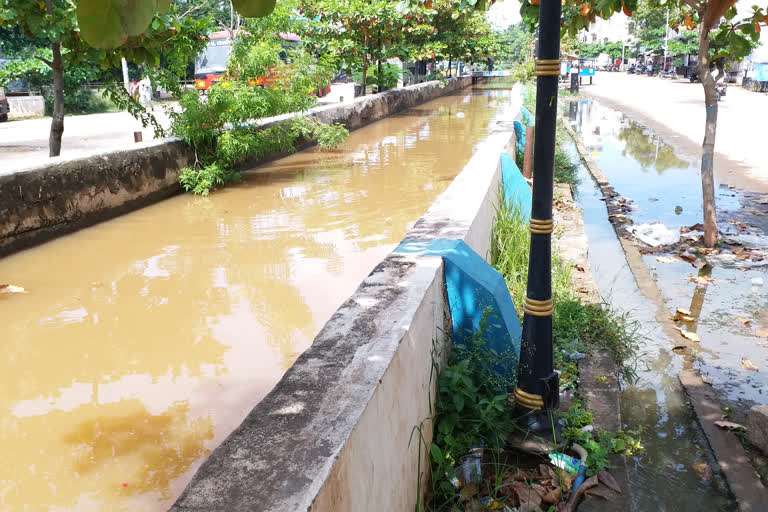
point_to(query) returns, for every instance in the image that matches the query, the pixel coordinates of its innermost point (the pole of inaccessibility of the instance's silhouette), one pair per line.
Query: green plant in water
(222, 129)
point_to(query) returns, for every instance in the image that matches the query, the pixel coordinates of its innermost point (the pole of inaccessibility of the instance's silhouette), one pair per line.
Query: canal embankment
(337, 431)
(43, 202)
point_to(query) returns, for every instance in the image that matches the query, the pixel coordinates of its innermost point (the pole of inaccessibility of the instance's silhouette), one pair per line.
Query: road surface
(24, 143)
(675, 109)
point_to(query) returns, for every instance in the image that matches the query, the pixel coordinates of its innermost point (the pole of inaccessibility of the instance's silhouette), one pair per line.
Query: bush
(390, 75)
(524, 72)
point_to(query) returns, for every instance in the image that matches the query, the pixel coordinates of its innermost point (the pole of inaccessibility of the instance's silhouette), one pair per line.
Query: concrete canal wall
(40, 203)
(337, 432)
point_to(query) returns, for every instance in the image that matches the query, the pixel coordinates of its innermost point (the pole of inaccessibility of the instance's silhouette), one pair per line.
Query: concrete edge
(601, 396)
(336, 432)
(43, 202)
(731, 457)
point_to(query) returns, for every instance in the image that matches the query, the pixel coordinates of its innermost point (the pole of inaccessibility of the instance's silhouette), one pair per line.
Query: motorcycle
(720, 89)
(694, 77)
(631, 69)
(670, 73)
(650, 70)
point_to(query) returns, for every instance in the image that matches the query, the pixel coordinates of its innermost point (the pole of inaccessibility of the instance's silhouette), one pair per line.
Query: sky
(504, 13)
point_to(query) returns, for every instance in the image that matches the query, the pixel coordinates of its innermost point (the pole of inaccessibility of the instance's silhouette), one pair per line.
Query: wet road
(143, 341)
(675, 110)
(662, 475)
(727, 299)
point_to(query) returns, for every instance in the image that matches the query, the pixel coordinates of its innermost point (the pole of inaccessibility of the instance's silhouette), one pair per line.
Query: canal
(142, 342)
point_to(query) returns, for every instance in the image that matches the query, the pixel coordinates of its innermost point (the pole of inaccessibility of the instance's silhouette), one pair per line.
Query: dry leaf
(729, 425)
(701, 281)
(579, 268)
(667, 259)
(10, 288)
(746, 321)
(683, 318)
(690, 258)
(703, 470)
(607, 480)
(688, 335)
(763, 333)
(748, 365)
(683, 311)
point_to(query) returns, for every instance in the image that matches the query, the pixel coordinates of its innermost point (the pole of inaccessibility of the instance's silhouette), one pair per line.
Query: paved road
(25, 143)
(675, 109)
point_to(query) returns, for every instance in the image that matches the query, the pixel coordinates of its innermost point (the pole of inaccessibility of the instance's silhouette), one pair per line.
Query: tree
(724, 35)
(362, 33)
(514, 45)
(56, 22)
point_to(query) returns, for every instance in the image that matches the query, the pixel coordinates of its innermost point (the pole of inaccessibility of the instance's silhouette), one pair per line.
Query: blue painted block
(517, 192)
(473, 287)
(520, 136)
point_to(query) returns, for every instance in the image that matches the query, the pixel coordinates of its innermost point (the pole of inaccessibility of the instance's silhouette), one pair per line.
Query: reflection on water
(662, 475)
(639, 165)
(627, 153)
(145, 340)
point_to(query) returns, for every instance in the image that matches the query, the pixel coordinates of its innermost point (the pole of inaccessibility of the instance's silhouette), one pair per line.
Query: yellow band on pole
(538, 307)
(541, 227)
(528, 400)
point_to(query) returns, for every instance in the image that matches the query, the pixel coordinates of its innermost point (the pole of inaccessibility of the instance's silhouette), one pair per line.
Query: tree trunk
(450, 63)
(381, 78)
(708, 146)
(57, 121)
(365, 72)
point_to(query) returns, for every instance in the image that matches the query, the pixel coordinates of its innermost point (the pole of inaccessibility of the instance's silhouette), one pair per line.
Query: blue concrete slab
(520, 136)
(475, 290)
(517, 192)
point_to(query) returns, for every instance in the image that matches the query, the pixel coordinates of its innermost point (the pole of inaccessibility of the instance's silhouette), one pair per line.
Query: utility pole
(125, 74)
(537, 393)
(666, 41)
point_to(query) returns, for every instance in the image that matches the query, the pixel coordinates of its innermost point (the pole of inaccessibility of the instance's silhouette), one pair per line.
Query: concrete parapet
(337, 432)
(43, 202)
(22, 107)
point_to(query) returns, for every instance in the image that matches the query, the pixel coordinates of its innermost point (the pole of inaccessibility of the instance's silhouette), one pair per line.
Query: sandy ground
(24, 143)
(675, 109)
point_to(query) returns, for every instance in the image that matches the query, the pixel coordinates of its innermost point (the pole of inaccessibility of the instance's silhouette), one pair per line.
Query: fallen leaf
(729, 425)
(683, 311)
(746, 321)
(667, 259)
(552, 496)
(679, 347)
(683, 318)
(11, 288)
(690, 258)
(701, 281)
(688, 335)
(607, 480)
(749, 365)
(763, 333)
(599, 492)
(703, 470)
(528, 497)
(579, 267)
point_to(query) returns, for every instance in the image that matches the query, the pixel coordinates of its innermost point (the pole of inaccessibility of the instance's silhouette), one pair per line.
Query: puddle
(663, 476)
(665, 186)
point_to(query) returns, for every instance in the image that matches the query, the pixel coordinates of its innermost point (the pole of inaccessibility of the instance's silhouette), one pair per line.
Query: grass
(566, 171)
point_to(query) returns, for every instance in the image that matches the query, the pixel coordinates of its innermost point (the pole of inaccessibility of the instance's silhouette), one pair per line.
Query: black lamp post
(537, 391)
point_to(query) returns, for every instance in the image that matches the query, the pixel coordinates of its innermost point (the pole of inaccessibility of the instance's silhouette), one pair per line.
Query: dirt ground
(675, 110)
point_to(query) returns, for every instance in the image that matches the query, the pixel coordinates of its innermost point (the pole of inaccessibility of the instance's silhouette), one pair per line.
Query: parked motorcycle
(694, 77)
(650, 70)
(631, 69)
(720, 89)
(670, 73)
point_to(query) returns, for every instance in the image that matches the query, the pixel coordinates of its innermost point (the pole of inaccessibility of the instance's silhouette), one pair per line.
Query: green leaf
(156, 24)
(619, 445)
(436, 453)
(108, 23)
(458, 401)
(254, 8)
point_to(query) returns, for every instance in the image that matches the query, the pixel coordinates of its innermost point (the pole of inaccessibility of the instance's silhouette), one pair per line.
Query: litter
(655, 234)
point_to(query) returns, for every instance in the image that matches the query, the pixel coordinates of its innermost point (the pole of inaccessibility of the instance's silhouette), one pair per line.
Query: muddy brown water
(143, 341)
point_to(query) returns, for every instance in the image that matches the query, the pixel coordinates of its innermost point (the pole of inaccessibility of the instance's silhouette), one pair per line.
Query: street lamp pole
(537, 391)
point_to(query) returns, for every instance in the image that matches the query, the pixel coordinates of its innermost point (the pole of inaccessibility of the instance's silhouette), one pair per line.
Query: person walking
(145, 93)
